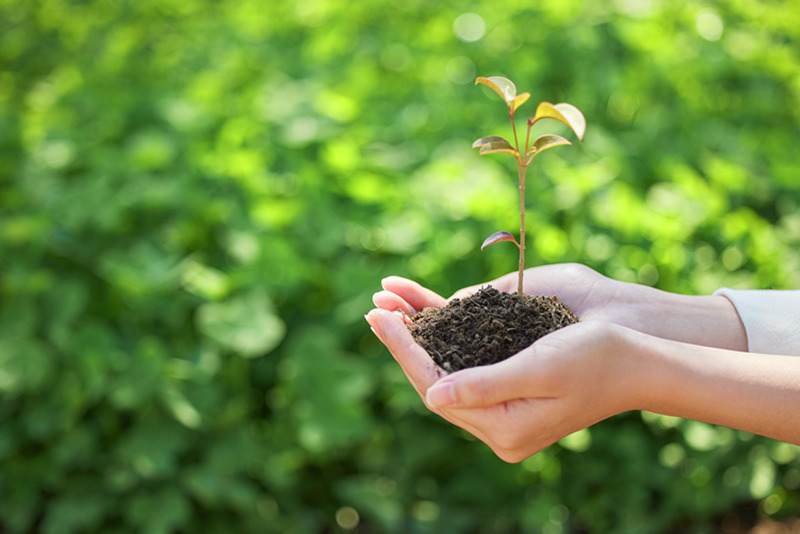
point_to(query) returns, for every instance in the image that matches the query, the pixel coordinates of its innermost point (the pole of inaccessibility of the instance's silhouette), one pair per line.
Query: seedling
(493, 144)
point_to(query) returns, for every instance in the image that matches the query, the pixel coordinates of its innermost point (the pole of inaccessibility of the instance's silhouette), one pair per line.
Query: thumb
(485, 385)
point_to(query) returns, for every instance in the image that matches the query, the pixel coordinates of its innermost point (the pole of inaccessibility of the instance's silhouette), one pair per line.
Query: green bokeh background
(199, 198)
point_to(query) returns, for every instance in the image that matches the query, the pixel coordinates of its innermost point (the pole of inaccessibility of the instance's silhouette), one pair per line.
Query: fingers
(542, 371)
(387, 300)
(406, 295)
(412, 293)
(415, 362)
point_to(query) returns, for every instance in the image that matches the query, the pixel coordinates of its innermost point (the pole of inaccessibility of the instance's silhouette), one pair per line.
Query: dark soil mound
(487, 327)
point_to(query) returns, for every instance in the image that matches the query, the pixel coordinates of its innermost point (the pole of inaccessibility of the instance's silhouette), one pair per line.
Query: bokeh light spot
(469, 27)
(461, 70)
(347, 517)
(709, 25)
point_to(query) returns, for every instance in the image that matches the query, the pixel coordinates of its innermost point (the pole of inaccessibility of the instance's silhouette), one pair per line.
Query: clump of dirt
(487, 327)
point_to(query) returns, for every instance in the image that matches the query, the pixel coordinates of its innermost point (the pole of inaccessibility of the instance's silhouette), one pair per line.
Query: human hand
(703, 320)
(604, 365)
(586, 372)
(564, 382)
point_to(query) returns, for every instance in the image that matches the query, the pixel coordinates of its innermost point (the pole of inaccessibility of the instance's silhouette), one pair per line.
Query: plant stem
(514, 129)
(522, 169)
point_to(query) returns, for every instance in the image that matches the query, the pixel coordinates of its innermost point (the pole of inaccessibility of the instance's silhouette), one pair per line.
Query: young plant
(566, 113)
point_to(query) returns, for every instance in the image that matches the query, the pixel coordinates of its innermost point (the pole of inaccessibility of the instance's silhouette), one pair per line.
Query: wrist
(710, 321)
(639, 375)
(626, 367)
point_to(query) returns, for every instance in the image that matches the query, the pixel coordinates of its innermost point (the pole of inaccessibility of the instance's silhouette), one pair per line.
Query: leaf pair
(495, 144)
(565, 113)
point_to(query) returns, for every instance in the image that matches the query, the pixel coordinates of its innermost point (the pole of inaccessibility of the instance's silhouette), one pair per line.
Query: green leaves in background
(198, 198)
(246, 324)
(328, 390)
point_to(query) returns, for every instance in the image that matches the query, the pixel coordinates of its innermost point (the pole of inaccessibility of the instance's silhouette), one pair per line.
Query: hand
(702, 320)
(601, 366)
(586, 372)
(564, 382)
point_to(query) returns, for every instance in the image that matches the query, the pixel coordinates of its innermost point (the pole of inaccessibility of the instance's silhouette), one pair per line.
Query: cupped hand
(564, 382)
(703, 320)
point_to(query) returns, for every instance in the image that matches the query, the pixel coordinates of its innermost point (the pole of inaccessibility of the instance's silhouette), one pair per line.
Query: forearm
(758, 393)
(711, 321)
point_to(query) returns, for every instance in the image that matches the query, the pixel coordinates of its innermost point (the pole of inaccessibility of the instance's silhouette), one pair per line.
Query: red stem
(522, 167)
(514, 128)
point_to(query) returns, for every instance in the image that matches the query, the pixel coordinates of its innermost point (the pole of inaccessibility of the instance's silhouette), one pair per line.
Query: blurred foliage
(198, 199)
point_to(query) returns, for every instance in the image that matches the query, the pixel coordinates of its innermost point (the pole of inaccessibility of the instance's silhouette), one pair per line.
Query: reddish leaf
(497, 237)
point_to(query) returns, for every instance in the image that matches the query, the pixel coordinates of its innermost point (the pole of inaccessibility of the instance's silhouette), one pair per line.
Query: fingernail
(404, 316)
(440, 395)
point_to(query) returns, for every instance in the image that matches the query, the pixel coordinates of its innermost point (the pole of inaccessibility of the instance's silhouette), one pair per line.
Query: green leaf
(502, 86)
(152, 447)
(493, 149)
(566, 113)
(204, 281)
(180, 407)
(79, 509)
(161, 511)
(494, 144)
(490, 139)
(544, 142)
(332, 386)
(245, 324)
(498, 237)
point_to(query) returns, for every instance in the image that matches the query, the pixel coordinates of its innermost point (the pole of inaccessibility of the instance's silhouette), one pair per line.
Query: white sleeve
(771, 319)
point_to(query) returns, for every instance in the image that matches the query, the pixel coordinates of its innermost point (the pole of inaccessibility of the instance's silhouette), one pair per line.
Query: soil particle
(486, 327)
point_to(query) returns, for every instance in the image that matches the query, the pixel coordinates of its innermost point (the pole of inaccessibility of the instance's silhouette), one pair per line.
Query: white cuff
(771, 319)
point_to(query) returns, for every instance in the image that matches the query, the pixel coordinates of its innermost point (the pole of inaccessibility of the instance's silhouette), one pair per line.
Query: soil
(487, 327)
